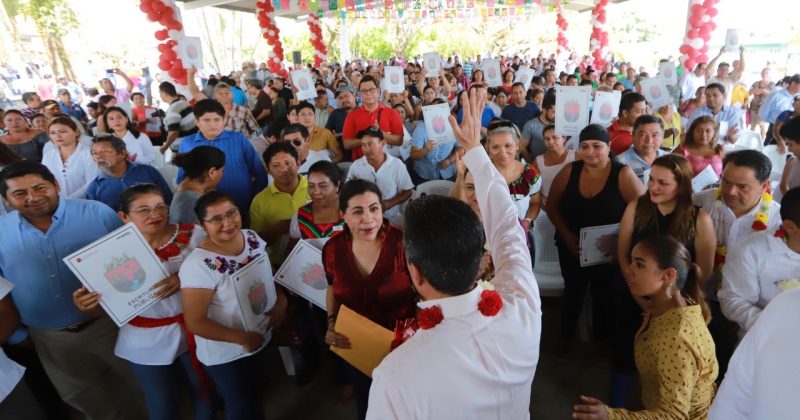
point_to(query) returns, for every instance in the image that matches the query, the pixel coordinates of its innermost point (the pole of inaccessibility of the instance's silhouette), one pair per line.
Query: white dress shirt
(471, 366)
(731, 229)
(312, 158)
(140, 149)
(751, 272)
(10, 372)
(74, 175)
(763, 375)
(690, 83)
(392, 178)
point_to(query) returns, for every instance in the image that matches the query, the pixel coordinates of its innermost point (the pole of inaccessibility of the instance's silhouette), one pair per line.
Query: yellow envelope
(369, 342)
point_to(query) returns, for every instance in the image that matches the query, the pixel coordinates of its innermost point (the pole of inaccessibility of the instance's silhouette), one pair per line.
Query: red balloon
(696, 8)
(705, 37)
(684, 49)
(152, 16)
(163, 65)
(689, 63)
(712, 11)
(169, 54)
(146, 8)
(711, 25)
(162, 34)
(704, 30)
(173, 73)
(172, 42)
(693, 33)
(702, 58)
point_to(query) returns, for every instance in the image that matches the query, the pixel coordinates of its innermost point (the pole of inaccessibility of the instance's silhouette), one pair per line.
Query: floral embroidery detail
(225, 265)
(177, 244)
(252, 241)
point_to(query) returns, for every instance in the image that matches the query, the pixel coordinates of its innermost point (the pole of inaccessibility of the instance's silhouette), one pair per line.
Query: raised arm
(507, 242)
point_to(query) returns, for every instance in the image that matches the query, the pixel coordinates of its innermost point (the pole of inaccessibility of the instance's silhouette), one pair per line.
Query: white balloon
(705, 18)
(697, 43)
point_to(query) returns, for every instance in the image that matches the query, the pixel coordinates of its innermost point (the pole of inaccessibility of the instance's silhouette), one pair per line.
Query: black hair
(209, 199)
(645, 119)
(278, 147)
(134, 94)
(537, 80)
(27, 96)
(117, 143)
(22, 168)
(105, 99)
(753, 159)
(205, 106)
(371, 131)
(791, 130)
(668, 252)
(167, 88)
(790, 206)
(93, 105)
(212, 81)
(520, 85)
(549, 100)
(628, 101)
(328, 169)
(130, 126)
(354, 187)
(303, 105)
(719, 86)
(133, 192)
(444, 238)
(196, 162)
(255, 83)
(368, 78)
(294, 128)
(548, 127)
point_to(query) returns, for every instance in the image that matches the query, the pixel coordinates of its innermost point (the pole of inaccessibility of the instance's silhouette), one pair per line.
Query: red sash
(203, 378)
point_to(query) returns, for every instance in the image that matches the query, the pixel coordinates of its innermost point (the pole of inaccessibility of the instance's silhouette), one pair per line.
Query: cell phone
(110, 71)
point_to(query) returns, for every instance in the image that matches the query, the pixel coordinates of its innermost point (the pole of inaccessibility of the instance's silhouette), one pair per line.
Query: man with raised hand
(476, 349)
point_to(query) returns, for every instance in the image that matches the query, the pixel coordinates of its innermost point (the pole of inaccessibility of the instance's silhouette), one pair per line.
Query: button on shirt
(483, 365)
(750, 278)
(636, 163)
(392, 178)
(107, 189)
(428, 167)
(31, 260)
(729, 228)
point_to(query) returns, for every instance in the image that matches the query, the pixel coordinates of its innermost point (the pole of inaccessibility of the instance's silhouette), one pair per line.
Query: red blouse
(385, 295)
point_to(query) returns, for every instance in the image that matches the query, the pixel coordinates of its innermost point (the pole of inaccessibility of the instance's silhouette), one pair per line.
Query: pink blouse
(700, 162)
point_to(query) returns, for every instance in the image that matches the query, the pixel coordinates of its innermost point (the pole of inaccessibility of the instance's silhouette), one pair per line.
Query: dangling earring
(669, 292)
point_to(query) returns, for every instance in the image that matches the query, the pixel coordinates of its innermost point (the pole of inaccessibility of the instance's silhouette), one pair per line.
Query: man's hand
(468, 133)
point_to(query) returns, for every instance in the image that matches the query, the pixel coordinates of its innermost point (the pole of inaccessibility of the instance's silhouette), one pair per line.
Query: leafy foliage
(54, 17)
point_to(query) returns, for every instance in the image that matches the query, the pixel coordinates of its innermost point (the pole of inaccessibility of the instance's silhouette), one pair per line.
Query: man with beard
(118, 174)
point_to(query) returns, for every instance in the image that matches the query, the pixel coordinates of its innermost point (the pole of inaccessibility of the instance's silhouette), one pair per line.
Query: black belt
(79, 326)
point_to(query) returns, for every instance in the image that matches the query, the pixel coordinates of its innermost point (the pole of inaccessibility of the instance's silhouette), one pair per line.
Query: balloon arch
(700, 23)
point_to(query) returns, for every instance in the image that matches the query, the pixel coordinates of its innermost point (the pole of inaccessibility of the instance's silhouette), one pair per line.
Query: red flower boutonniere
(759, 225)
(490, 303)
(781, 233)
(430, 317)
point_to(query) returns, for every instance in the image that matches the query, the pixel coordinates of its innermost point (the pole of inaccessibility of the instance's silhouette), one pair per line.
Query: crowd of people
(689, 275)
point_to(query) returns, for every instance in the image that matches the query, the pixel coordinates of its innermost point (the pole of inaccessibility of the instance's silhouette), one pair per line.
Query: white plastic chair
(170, 174)
(778, 161)
(160, 162)
(546, 267)
(344, 168)
(437, 187)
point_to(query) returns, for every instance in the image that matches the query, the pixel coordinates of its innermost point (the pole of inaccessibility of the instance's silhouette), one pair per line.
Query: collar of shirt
(776, 246)
(105, 175)
(302, 185)
(631, 154)
(456, 306)
(58, 215)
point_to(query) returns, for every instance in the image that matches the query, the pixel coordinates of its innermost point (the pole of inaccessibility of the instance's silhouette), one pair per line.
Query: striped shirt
(179, 118)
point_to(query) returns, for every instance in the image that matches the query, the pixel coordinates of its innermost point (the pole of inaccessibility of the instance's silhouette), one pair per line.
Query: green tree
(54, 19)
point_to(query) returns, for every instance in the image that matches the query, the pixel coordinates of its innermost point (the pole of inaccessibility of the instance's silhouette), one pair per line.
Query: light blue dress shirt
(636, 163)
(428, 167)
(733, 116)
(32, 260)
(778, 101)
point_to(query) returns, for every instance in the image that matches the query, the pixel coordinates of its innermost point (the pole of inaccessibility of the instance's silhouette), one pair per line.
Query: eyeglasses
(218, 219)
(368, 91)
(145, 212)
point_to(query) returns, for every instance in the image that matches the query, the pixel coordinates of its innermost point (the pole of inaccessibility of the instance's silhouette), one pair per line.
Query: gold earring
(669, 292)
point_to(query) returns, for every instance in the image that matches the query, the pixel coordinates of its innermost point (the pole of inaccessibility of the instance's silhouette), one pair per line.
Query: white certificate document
(393, 79)
(592, 240)
(123, 268)
(256, 294)
(524, 75)
(190, 50)
(606, 107)
(655, 91)
(432, 64)
(302, 273)
(572, 109)
(304, 83)
(437, 125)
(491, 71)
(706, 177)
(153, 120)
(668, 72)
(732, 40)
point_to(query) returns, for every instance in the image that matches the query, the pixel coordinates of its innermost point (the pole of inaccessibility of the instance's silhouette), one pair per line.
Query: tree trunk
(208, 41)
(63, 57)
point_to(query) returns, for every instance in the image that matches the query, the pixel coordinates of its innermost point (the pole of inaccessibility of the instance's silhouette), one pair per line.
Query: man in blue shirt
(778, 101)
(723, 114)
(118, 174)
(75, 348)
(519, 110)
(245, 174)
(648, 134)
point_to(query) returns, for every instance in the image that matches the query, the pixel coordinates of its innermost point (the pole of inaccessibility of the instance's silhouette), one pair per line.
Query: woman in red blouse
(366, 270)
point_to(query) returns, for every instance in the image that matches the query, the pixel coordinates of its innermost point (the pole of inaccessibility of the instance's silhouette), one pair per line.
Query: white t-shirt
(160, 345)
(10, 372)
(312, 158)
(203, 269)
(548, 173)
(140, 149)
(392, 178)
(74, 175)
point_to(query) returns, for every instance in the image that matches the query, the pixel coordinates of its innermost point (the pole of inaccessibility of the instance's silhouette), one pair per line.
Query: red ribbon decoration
(270, 32)
(158, 11)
